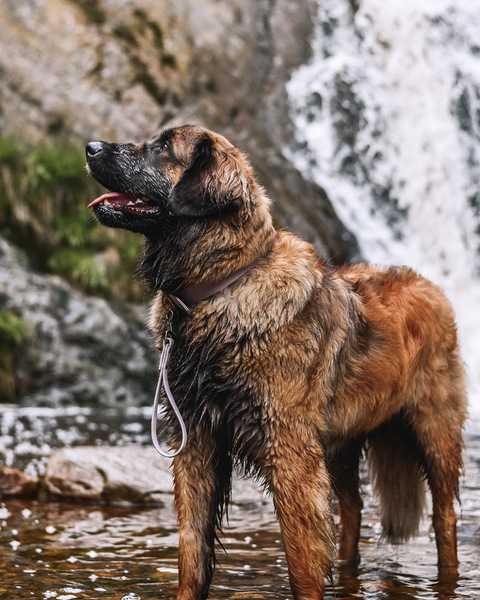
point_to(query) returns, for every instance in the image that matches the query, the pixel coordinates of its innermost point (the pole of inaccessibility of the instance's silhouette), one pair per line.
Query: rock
(16, 484)
(108, 474)
(116, 475)
(80, 349)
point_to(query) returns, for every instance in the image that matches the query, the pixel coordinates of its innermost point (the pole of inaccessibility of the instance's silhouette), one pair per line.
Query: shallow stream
(71, 551)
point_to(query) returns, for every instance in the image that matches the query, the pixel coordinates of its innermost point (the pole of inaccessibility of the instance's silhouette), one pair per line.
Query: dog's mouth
(125, 203)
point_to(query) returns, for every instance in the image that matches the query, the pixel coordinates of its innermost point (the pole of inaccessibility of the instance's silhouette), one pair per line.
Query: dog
(283, 365)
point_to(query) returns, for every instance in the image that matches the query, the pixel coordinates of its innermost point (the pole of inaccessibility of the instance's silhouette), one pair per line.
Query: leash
(183, 300)
(163, 380)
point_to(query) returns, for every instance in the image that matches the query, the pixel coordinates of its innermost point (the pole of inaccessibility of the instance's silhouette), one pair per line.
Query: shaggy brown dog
(284, 365)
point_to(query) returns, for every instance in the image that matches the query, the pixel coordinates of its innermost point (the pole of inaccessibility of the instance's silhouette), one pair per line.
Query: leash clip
(168, 324)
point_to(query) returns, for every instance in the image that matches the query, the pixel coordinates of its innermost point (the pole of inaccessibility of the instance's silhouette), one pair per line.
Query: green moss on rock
(14, 333)
(44, 211)
(92, 10)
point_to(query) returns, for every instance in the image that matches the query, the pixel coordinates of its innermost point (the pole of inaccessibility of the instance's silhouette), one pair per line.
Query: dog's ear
(216, 182)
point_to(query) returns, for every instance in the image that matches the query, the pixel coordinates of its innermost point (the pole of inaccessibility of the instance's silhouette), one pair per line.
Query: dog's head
(185, 172)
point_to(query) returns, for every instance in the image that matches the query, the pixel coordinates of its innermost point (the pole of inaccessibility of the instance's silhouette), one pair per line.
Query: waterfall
(387, 119)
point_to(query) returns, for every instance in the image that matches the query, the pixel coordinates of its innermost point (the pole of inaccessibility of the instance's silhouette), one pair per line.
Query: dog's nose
(94, 148)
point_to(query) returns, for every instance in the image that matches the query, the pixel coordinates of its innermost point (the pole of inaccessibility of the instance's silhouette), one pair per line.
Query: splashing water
(387, 115)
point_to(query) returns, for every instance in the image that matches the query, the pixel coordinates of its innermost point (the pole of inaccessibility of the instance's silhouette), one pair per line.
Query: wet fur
(292, 372)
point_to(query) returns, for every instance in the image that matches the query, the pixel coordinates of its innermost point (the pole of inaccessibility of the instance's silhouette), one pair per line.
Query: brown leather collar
(192, 294)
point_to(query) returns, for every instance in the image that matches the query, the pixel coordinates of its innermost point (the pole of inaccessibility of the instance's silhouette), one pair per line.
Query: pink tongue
(113, 196)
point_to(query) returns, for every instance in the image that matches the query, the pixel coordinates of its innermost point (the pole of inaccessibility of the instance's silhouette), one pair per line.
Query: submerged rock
(16, 484)
(118, 475)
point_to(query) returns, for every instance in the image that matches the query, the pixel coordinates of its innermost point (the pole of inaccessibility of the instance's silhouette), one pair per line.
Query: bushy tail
(397, 480)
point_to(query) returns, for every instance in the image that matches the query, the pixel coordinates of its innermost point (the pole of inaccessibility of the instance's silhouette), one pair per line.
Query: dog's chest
(211, 377)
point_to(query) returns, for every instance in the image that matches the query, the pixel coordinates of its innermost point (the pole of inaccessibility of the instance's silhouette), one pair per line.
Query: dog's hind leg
(343, 466)
(202, 479)
(438, 422)
(440, 437)
(300, 485)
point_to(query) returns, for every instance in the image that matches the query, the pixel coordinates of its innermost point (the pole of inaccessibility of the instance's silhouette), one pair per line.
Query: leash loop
(163, 379)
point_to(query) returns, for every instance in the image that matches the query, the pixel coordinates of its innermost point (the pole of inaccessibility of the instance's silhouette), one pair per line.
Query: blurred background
(362, 119)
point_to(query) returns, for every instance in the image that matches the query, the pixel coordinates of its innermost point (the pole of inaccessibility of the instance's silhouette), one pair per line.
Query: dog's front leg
(202, 477)
(300, 485)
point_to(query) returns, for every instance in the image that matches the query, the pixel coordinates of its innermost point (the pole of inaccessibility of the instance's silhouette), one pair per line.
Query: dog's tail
(398, 480)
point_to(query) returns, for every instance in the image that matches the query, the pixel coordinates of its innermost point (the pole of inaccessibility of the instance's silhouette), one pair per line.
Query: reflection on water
(68, 552)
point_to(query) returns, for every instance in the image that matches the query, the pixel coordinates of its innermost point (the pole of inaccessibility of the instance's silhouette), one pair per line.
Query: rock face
(122, 475)
(78, 70)
(79, 349)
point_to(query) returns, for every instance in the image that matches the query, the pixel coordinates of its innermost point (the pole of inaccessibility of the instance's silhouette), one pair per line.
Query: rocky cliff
(374, 102)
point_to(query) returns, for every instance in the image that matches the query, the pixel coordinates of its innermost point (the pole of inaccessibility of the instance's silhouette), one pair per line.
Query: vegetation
(14, 333)
(43, 209)
(92, 10)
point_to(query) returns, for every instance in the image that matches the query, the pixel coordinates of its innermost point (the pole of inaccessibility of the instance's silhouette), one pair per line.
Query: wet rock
(108, 474)
(16, 484)
(80, 349)
(117, 475)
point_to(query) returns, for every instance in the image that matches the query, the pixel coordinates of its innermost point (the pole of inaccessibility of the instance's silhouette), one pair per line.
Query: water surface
(70, 551)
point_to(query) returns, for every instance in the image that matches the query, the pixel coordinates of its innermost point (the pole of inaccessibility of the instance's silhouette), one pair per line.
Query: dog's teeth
(130, 203)
(106, 203)
(139, 201)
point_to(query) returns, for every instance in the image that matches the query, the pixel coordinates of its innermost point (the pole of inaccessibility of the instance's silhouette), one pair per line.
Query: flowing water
(72, 551)
(387, 120)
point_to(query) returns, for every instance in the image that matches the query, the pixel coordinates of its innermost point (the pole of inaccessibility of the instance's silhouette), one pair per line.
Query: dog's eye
(165, 147)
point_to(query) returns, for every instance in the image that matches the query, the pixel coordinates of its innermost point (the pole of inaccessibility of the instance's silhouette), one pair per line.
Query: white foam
(406, 65)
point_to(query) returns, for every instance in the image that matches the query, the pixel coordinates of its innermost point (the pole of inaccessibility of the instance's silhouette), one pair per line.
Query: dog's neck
(187, 297)
(198, 260)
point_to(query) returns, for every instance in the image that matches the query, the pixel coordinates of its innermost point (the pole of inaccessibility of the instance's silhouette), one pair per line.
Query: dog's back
(404, 354)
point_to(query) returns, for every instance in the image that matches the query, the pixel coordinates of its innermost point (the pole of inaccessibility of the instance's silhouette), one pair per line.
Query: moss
(49, 166)
(9, 152)
(45, 192)
(13, 330)
(92, 10)
(79, 267)
(14, 333)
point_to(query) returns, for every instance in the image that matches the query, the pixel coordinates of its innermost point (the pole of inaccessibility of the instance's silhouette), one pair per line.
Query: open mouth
(127, 203)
